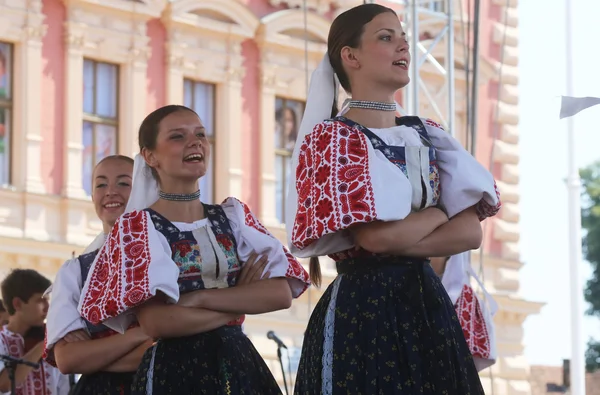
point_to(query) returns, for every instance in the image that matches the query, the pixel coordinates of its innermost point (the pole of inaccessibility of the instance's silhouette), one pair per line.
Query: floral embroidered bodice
(204, 251)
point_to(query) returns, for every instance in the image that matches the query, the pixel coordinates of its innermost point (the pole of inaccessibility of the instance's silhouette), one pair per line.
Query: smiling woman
(379, 195)
(180, 268)
(105, 359)
(111, 186)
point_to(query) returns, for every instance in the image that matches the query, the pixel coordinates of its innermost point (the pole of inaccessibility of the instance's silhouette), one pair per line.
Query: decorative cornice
(268, 77)
(515, 305)
(320, 6)
(22, 21)
(143, 8)
(226, 18)
(215, 29)
(110, 30)
(285, 29)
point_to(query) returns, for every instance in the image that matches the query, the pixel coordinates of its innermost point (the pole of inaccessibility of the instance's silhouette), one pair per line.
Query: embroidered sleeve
(63, 316)
(3, 349)
(132, 266)
(251, 236)
(464, 181)
(474, 313)
(341, 181)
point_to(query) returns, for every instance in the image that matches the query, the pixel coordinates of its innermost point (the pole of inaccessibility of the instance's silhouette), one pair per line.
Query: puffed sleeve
(464, 181)
(341, 180)
(3, 351)
(63, 316)
(132, 266)
(252, 236)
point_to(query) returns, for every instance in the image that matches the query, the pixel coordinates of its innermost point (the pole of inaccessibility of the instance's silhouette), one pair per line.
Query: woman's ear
(349, 58)
(149, 157)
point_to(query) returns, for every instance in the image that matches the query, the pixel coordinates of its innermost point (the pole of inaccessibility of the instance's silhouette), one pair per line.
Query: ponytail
(314, 269)
(334, 108)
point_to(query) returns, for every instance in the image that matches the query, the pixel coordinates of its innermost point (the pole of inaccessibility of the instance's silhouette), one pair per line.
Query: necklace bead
(372, 105)
(179, 197)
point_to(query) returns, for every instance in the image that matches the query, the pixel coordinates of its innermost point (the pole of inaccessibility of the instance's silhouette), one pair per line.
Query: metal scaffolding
(429, 25)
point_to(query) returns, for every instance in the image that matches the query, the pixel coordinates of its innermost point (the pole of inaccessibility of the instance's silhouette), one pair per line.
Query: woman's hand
(253, 269)
(395, 236)
(76, 336)
(462, 233)
(250, 273)
(136, 334)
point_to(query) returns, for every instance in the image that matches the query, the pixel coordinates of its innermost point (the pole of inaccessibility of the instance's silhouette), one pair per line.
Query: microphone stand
(10, 364)
(282, 368)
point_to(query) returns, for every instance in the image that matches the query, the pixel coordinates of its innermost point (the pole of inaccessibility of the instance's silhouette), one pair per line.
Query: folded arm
(130, 361)
(161, 320)
(396, 236)
(462, 233)
(255, 298)
(89, 356)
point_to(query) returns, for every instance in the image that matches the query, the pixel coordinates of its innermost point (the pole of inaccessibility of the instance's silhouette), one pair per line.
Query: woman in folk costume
(173, 264)
(474, 312)
(106, 359)
(379, 195)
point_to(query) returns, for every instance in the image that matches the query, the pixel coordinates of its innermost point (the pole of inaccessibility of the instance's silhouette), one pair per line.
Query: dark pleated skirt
(104, 383)
(220, 362)
(386, 326)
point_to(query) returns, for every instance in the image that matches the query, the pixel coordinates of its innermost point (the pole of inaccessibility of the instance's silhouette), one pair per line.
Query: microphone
(272, 336)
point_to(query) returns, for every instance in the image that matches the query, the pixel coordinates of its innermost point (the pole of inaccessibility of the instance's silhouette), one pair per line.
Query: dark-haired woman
(175, 265)
(106, 360)
(380, 195)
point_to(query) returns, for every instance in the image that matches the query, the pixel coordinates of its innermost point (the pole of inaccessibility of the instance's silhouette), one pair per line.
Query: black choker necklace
(179, 197)
(372, 105)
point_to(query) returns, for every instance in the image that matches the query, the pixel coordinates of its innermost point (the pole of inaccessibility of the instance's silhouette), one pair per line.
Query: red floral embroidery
(48, 355)
(473, 323)
(333, 183)
(119, 280)
(183, 248)
(295, 269)
(225, 242)
(485, 210)
(237, 322)
(40, 381)
(429, 122)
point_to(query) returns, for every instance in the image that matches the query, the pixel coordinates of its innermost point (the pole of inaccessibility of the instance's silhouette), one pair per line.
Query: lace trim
(150, 374)
(328, 333)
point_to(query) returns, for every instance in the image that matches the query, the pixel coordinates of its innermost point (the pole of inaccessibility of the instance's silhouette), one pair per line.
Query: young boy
(23, 336)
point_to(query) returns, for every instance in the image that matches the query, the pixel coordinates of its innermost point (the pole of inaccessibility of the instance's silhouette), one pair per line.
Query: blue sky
(543, 166)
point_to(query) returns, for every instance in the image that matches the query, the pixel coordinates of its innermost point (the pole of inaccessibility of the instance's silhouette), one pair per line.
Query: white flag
(572, 105)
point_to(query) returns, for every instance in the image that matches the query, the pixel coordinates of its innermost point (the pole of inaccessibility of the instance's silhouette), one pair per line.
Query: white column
(29, 53)
(132, 99)
(175, 75)
(267, 147)
(72, 182)
(228, 150)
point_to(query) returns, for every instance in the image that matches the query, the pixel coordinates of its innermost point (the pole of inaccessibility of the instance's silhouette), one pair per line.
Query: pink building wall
(488, 95)
(52, 96)
(157, 68)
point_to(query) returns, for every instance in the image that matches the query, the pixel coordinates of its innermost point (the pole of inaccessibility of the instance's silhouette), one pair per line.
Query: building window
(200, 97)
(100, 115)
(288, 114)
(6, 51)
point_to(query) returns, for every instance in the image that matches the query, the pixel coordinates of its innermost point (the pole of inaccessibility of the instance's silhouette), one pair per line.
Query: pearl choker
(179, 197)
(372, 105)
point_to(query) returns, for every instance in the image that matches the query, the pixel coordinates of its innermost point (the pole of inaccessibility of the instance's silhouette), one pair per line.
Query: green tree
(590, 221)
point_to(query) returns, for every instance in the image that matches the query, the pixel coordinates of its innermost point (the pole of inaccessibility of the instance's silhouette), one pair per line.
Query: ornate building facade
(78, 76)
